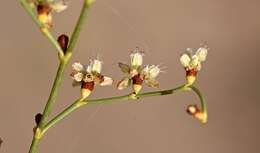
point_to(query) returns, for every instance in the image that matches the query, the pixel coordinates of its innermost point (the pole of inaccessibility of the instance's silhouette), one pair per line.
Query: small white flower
(77, 66)
(202, 54)
(107, 81)
(193, 61)
(136, 58)
(59, 6)
(95, 66)
(78, 76)
(151, 72)
(124, 83)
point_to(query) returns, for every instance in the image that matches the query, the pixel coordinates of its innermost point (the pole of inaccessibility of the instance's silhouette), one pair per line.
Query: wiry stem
(78, 103)
(64, 59)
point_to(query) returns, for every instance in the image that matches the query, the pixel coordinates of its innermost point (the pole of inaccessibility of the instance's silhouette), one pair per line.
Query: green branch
(78, 103)
(43, 29)
(79, 25)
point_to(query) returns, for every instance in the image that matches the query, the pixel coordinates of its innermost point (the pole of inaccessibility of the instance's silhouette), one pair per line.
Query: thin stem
(79, 25)
(34, 145)
(53, 94)
(43, 29)
(63, 63)
(202, 100)
(79, 103)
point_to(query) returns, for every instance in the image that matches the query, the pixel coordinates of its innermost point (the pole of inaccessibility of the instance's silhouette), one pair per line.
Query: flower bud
(38, 118)
(63, 41)
(86, 89)
(44, 16)
(137, 83)
(191, 76)
(194, 111)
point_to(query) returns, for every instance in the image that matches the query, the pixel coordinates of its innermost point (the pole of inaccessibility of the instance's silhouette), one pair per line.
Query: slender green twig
(53, 94)
(79, 25)
(63, 63)
(78, 103)
(202, 101)
(44, 30)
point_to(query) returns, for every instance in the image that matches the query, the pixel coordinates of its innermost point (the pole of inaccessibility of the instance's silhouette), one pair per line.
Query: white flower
(59, 6)
(193, 61)
(95, 66)
(77, 66)
(136, 58)
(151, 72)
(45, 10)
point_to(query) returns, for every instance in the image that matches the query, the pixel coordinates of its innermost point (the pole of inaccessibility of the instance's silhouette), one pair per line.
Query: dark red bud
(137, 79)
(38, 118)
(88, 85)
(63, 41)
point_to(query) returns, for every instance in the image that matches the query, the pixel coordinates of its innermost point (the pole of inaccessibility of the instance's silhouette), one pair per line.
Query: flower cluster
(136, 74)
(45, 9)
(194, 111)
(192, 63)
(89, 76)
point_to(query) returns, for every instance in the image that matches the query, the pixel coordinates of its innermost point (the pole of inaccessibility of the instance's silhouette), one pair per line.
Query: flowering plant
(88, 76)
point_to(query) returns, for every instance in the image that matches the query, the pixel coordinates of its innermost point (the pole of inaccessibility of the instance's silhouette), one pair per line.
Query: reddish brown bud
(38, 118)
(137, 79)
(63, 41)
(88, 85)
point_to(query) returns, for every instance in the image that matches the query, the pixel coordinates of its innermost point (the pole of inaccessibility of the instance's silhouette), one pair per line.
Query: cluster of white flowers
(136, 74)
(46, 9)
(88, 76)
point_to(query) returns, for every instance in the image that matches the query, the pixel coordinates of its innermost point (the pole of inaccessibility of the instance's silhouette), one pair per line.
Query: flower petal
(59, 6)
(185, 60)
(77, 66)
(152, 83)
(76, 83)
(124, 83)
(95, 66)
(202, 54)
(78, 76)
(124, 67)
(136, 58)
(107, 81)
(194, 62)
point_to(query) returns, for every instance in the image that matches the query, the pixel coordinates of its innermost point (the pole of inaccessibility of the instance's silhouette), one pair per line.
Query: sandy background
(164, 29)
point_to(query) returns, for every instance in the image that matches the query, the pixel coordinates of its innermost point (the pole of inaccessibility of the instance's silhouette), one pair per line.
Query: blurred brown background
(164, 29)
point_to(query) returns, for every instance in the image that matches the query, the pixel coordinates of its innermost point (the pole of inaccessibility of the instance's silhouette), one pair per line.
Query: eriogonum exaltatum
(45, 10)
(136, 74)
(89, 76)
(192, 62)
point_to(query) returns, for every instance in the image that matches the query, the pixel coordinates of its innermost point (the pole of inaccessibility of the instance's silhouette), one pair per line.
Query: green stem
(53, 94)
(63, 63)
(202, 100)
(34, 145)
(44, 30)
(79, 103)
(79, 25)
